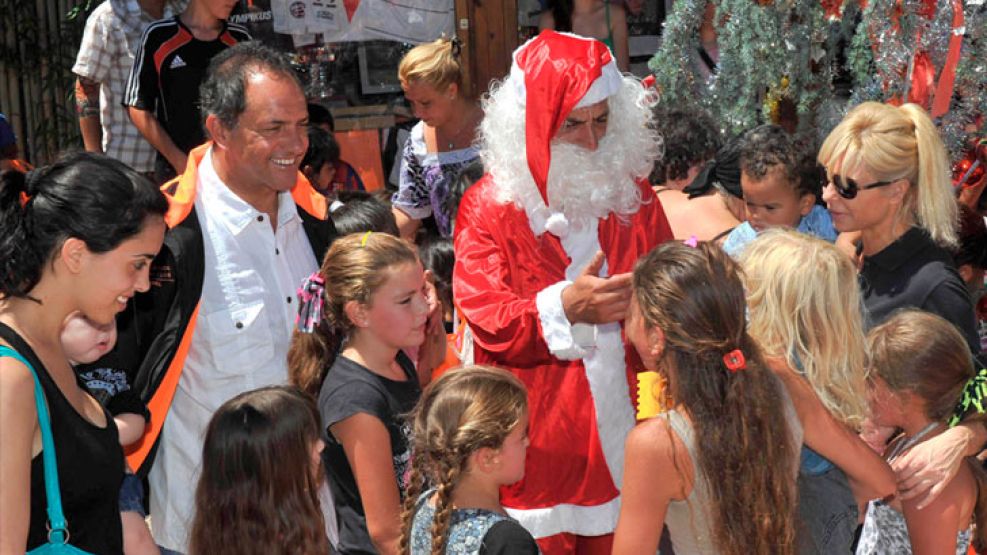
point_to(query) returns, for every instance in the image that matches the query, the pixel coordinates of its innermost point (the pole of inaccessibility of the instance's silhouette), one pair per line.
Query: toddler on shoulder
(84, 342)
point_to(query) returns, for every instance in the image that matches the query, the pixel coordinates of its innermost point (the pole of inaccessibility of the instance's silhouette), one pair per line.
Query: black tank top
(90, 469)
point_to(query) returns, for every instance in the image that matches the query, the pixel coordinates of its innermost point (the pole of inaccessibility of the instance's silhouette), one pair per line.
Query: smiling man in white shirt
(245, 229)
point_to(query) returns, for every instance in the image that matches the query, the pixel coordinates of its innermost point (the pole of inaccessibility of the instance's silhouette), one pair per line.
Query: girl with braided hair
(358, 314)
(471, 436)
(719, 467)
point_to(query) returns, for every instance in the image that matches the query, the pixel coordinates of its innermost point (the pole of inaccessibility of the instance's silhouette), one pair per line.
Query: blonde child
(804, 311)
(719, 467)
(924, 383)
(373, 289)
(471, 436)
(780, 189)
(83, 342)
(258, 491)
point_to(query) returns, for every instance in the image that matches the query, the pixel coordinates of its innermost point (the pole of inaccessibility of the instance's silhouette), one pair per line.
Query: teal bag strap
(58, 528)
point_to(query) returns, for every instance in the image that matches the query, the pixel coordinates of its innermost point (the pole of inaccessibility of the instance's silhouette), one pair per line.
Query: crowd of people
(293, 365)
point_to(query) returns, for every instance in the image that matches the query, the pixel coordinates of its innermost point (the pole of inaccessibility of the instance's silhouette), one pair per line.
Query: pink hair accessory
(311, 296)
(692, 241)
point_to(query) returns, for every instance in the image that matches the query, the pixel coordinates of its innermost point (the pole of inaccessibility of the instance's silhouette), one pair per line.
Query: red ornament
(975, 155)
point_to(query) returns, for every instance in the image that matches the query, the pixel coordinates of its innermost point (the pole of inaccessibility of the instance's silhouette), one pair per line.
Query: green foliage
(764, 45)
(39, 53)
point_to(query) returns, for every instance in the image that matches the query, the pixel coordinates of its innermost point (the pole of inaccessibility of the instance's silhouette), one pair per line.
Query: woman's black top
(90, 469)
(915, 272)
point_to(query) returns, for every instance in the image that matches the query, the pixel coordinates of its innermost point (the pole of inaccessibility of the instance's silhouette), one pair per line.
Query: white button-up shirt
(246, 314)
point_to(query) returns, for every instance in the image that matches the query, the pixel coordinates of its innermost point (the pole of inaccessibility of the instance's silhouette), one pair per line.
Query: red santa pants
(571, 544)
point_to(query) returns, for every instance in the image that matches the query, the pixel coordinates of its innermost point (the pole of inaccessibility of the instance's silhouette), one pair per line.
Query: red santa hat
(553, 74)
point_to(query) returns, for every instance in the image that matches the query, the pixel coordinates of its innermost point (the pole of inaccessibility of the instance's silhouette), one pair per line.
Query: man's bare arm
(151, 128)
(87, 108)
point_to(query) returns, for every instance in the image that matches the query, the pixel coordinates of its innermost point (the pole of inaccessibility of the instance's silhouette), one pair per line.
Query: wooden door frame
(489, 32)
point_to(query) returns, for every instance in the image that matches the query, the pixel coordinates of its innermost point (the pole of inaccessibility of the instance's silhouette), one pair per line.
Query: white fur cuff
(565, 341)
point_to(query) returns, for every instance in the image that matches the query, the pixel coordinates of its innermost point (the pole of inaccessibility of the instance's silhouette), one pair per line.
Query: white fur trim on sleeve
(565, 341)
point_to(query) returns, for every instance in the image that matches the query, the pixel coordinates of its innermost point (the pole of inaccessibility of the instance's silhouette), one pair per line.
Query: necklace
(910, 442)
(452, 139)
(451, 144)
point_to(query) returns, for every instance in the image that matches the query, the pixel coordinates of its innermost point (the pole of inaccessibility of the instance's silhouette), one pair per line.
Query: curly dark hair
(767, 148)
(690, 138)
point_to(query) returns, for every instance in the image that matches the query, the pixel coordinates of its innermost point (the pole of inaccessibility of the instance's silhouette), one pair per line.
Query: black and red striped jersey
(169, 66)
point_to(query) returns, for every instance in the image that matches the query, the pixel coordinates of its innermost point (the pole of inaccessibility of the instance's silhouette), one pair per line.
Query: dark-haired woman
(76, 236)
(719, 468)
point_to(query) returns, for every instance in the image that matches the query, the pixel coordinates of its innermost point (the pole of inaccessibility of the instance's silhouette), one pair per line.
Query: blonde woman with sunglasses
(889, 182)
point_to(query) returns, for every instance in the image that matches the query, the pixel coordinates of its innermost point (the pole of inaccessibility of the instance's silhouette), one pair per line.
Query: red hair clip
(735, 361)
(24, 198)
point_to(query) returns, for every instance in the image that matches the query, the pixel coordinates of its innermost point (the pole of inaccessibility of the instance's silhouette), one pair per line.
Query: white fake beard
(584, 184)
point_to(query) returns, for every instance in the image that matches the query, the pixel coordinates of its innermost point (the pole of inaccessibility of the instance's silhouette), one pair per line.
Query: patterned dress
(468, 532)
(426, 177)
(885, 530)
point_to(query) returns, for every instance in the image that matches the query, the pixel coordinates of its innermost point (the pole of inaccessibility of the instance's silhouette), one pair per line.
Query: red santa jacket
(500, 268)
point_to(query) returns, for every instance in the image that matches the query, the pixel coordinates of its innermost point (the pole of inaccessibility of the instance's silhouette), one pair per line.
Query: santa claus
(545, 244)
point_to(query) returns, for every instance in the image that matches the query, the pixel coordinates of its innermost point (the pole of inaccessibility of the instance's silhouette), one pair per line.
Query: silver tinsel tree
(783, 51)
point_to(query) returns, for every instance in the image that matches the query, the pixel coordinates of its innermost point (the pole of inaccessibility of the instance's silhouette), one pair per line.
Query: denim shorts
(132, 495)
(828, 513)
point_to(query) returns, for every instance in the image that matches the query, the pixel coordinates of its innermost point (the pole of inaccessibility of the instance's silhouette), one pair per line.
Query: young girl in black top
(374, 291)
(471, 437)
(75, 236)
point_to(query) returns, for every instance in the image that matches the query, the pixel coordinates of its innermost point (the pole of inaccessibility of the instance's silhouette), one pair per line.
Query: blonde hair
(899, 142)
(464, 410)
(804, 305)
(354, 268)
(434, 63)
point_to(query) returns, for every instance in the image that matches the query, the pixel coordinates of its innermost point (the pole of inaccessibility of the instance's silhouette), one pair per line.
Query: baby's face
(772, 201)
(84, 341)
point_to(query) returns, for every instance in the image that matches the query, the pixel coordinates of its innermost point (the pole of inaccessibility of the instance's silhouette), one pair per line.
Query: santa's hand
(595, 300)
(926, 469)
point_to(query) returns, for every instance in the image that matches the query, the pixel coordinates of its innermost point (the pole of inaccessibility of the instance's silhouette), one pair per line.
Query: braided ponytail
(416, 479)
(443, 505)
(465, 410)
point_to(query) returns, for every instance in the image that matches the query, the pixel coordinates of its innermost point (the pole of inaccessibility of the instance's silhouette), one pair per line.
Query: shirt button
(260, 218)
(239, 325)
(289, 300)
(277, 251)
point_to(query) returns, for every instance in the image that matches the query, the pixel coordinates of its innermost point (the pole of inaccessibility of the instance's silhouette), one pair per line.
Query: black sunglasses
(848, 188)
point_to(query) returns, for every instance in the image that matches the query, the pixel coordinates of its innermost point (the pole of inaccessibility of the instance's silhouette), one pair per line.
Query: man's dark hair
(322, 149)
(223, 93)
(690, 138)
(767, 147)
(320, 115)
